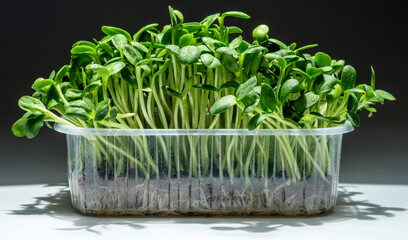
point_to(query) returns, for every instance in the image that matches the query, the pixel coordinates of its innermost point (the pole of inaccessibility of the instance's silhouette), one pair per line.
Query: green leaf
(253, 50)
(352, 103)
(19, 127)
(89, 105)
(132, 55)
(268, 99)
(235, 14)
(314, 72)
(99, 69)
(79, 113)
(142, 30)
(279, 43)
(235, 43)
(119, 41)
(334, 93)
(174, 49)
(148, 61)
(173, 18)
(187, 88)
(115, 59)
(179, 34)
(28, 115)
(61, 73)
(230, 63)
(372, 78)
(385, 95)
(83, 50)
(162, 68)
(338, 66)
(322, 59)
(257, 90)
(256, 120)
(41, 83)
(52, 75)
(72, 94)
(311, 117)
(179, 16)
(210, 43)
(370, 96)
(33, 126)
(140, 47)
(204, 49)
(287, 88)
(307, 119)
(210, 61)
(260, 33)
(353, 118)
(216, 33)
(112, 31)
(84, 43)
(229, 84)
(328, 83)
(162, 52)
(378, 96)
(92, 87)
(170, 91)
(291, 59)
(186, 40)
(355, 90)
(31, 105)
(300, 72)
(305, 101)
(206, 87)
(227, 51)
(210, 19)
(128, 77)
(113, 112)
(52, 98)
(249, 100)
(189, 55)
(80, 104)
(348, 77)
(306, 47)
(280, 62)
(327, 70)
(102, 110)
(192, 26)
(250, 107)
(115, 67)
(233, 29)
(245, 88)
(107, 48)
(292, 46)
(146, 71)
(223, 104)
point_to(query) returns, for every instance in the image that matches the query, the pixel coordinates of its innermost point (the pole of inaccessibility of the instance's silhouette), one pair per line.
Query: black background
(36, 38)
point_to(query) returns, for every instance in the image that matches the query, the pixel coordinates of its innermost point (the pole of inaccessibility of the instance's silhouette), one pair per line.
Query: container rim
(70, 130)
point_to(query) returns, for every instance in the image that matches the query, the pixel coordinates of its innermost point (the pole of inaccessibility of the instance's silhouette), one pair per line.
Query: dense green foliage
(196, 75)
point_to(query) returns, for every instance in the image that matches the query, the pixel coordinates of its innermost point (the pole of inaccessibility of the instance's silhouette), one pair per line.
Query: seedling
(200, 75)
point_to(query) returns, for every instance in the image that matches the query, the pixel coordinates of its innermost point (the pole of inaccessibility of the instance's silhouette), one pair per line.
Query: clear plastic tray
(203, 172)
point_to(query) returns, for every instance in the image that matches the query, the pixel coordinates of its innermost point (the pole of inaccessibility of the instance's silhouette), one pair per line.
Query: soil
(210, 196)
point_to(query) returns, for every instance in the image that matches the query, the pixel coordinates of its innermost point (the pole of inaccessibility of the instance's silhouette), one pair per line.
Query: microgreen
(197, 75)
(187, 63)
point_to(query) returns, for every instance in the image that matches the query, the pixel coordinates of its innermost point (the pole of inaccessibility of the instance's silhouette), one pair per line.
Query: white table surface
(363, 211)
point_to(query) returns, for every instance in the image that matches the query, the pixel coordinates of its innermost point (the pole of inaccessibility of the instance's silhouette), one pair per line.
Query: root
(206, 196)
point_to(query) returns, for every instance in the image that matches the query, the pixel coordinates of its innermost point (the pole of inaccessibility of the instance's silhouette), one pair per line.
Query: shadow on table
(59, 206)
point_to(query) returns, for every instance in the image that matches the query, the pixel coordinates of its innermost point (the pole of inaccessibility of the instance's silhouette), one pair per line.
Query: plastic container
(203, 172)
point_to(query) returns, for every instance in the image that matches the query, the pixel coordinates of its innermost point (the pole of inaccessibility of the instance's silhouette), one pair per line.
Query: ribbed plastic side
(204, 174)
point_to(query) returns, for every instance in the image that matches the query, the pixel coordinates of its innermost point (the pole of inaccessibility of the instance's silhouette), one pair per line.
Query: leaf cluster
(126, 81)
